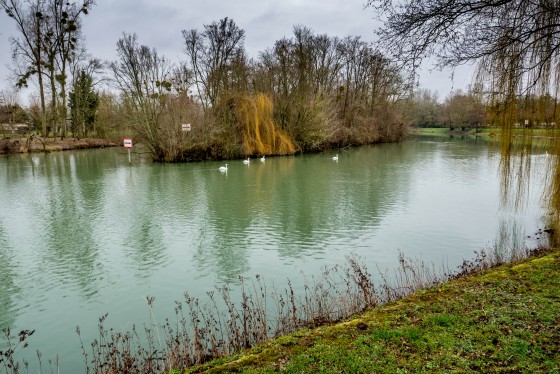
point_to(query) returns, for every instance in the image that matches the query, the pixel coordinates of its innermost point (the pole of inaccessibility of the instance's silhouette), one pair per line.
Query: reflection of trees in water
(227, 261)
(330, 201)
(73, 200)
(18, 167)
(512, 236)
(486, 141)
(510, 240)
(223, 244)
(8, 288)
(145, 239)
(297, 205)
(145, 244)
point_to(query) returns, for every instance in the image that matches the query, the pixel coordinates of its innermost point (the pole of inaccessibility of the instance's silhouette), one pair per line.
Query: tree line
(460, 110)
(308, 92)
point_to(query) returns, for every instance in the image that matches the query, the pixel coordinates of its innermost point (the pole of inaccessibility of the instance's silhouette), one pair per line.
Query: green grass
(483, 130)
(506, 319)
(430, 130)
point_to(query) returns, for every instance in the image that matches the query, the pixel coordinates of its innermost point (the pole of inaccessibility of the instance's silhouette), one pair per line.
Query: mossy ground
(506, 319)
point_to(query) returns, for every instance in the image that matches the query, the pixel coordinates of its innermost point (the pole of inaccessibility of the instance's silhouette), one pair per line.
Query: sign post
(127, 143)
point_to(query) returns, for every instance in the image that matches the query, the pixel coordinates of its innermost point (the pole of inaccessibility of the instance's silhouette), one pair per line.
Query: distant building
(14, 128)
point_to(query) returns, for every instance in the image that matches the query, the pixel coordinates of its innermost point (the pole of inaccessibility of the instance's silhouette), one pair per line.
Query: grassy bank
(488, 131)
(505, 319)
(500, 319)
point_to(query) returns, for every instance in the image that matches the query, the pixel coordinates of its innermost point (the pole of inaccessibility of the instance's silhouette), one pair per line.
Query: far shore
(482, 131)
(37, 144)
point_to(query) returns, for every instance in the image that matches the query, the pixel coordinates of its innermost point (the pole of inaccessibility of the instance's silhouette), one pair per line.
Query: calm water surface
(84, 233)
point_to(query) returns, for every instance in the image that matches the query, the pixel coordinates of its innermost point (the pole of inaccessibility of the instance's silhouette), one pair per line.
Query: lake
(84, 233)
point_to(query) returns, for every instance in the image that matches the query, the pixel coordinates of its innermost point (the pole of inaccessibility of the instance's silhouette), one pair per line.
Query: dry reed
(222, 326)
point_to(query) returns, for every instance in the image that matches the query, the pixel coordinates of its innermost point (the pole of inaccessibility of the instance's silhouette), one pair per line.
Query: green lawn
(484, 130)
(506, 319)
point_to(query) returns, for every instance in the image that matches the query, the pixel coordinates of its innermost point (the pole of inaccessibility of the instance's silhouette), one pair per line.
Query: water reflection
(96, 234)
(144, 245)
(8, 272)
(73, 198)
(300, 206)
(19, 167)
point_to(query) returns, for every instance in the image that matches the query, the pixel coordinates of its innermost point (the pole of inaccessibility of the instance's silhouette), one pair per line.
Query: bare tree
(145, 80)
(423, 109)
(67, 34)
(322, 86)
(63, 30)
(30, 20)
(212, 53)
(49, 33)
(10, 108)
(462, 110)
(9, 98)
(516, 43)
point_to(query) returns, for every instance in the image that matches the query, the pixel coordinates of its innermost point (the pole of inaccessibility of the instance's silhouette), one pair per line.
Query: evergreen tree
(83, 103)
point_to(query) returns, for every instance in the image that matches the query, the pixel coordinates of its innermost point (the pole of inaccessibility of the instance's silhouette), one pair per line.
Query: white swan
(223, 168)
(262, 158)
(247, 161)
(335, 158)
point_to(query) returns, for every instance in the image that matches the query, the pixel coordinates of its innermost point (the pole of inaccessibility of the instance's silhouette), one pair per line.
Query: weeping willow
(260, 134)
(515, 46)
(522, 80)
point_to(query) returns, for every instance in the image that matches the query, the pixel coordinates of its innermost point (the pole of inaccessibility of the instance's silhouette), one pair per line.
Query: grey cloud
(159, 24)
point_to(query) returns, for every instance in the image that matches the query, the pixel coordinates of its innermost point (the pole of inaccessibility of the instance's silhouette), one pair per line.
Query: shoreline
(485, 132)
(37, 144)
(489, 316)
(466, 323)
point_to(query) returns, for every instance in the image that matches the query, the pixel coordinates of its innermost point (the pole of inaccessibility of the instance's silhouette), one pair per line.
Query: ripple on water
(93, 234)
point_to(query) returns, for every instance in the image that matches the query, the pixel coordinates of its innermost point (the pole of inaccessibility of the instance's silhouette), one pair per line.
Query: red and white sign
(127, 142)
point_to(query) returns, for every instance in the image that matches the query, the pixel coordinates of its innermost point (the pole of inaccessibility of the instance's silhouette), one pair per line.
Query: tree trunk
(43, 106)
(54, 114)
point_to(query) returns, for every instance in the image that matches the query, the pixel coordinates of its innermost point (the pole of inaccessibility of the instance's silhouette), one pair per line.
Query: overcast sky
(159, 24)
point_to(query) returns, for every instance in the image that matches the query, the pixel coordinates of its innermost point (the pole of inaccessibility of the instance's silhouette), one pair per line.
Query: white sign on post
(186, 127)
(127, 143)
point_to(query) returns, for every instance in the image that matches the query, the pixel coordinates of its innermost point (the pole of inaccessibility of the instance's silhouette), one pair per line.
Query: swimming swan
(247, 161)
(335, 158)
(223, 168)
(262, 159)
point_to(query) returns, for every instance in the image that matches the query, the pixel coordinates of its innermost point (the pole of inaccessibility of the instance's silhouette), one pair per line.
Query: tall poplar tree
(83, 102)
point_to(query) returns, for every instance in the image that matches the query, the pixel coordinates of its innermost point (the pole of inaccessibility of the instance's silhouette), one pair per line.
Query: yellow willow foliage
(518, 143)
(516, 161)
(521, 100)
(260, 134)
